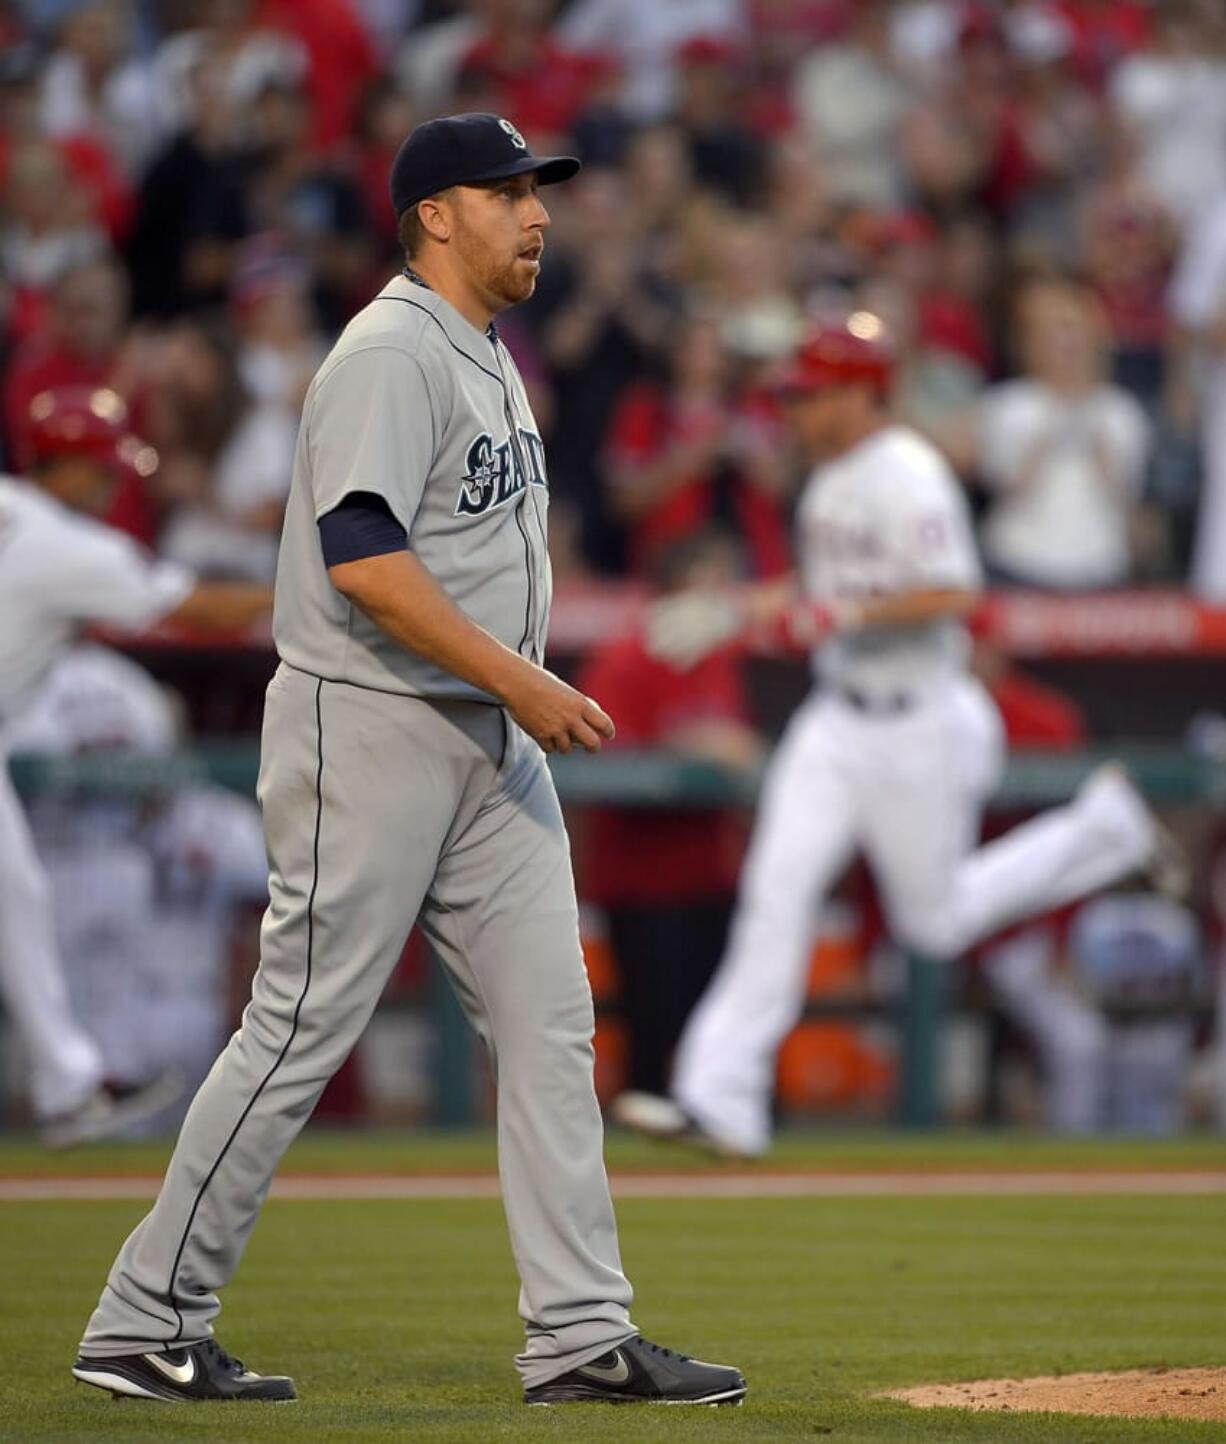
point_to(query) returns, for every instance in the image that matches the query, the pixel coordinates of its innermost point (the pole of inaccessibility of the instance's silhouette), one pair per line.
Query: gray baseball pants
(379, 808)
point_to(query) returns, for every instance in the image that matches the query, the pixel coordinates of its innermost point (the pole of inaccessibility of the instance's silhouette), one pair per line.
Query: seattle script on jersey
(497, 474)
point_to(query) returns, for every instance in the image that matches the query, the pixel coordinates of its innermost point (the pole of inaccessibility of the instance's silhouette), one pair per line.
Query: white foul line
(764, 1184)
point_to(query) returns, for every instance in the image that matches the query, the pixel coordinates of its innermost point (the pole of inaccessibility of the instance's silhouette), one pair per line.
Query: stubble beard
(503, 281)
(511, 283)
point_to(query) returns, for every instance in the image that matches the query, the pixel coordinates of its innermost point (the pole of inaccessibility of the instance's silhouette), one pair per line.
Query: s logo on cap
(517, 140)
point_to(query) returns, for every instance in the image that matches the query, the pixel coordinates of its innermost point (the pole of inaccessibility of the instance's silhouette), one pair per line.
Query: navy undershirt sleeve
(361, 525)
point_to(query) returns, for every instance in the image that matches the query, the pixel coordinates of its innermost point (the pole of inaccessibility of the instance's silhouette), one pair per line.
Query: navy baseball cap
(461, 150)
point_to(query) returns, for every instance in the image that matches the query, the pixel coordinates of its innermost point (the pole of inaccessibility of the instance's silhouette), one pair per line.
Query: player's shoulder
(901, 443)
(381, 325)
(39, 513)
(899, 452)
(21, 499)
(411, 325)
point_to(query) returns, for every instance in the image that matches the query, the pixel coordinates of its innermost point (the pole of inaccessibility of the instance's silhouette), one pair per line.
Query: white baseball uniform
(58, 571)
(145, 890)
(894, 753)
(145, 910)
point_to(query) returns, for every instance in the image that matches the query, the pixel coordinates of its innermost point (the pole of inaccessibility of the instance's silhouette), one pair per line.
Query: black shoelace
(665, 1353)
(215, 1352)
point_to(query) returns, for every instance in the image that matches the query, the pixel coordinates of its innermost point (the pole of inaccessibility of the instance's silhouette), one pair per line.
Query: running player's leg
(803, 838)
(65, 1063)
(935, 770)
(503, 917)
(354, 827)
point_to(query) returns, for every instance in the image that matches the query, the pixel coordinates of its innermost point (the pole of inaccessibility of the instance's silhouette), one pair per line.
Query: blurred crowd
(1030, 193)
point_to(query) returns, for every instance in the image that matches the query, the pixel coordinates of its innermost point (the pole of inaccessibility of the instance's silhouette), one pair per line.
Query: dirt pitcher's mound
(1153, 1393)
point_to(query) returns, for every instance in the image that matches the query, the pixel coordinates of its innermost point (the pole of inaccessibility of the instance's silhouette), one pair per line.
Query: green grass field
(398, 1318)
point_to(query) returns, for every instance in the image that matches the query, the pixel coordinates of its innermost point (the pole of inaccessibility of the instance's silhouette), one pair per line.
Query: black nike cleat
(186, 1375)
(639, 1372)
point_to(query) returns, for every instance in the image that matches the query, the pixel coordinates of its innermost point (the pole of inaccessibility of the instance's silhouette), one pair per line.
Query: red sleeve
(636, 431)
(617, 676)
(1035, 715)
(16, 404)
(713, 691)
(340, 57)
(94, 167)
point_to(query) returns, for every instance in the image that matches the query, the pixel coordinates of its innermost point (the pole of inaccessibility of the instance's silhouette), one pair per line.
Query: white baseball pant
(908, 789)
(65, 1062)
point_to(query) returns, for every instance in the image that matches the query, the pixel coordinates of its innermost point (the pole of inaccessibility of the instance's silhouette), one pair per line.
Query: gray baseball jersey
(421, 408)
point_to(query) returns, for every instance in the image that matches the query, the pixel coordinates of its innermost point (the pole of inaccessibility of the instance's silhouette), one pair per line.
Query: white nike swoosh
(617, 1373)
(180, 1373)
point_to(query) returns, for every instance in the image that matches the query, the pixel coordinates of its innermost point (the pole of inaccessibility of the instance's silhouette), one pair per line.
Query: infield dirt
(1136, 1394)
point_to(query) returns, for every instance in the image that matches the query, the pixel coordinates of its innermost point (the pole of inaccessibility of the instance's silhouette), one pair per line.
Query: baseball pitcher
(403, 775)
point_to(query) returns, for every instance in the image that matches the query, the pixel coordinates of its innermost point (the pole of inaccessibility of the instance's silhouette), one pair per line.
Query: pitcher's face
(499, 235)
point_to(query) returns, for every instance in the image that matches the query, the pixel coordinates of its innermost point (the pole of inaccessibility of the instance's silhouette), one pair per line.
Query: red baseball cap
(851, 354)
(90, 421)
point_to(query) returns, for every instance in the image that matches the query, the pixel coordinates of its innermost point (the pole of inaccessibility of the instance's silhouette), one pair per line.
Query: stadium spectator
(797, 200)
(314, 204)
(966, 142)
(1062, 451)
(83, 343)
(851, 99)
(340, 60)
(77, 346)
(658, 173)
(646, 38)
(1169, 97)
(1198, 302)
(190, 212)
(743, 279)
(692, 451)
(725, 154)
(1127, 241)
(48, 227)
(600, 318)
(1104, 32)
(428, 60)
(99, 185)
(767, 119)
(666, 878)
(938, 381)
(279, 346)
(527, 71)
(1061, 130)
(242, 53)
(931, 285)
(386, 22)
(97, 84)
(226, 458)
(386, 114)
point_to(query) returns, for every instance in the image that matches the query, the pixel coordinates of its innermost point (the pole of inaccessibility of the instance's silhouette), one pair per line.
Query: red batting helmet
(851, 354)
(89, 421)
